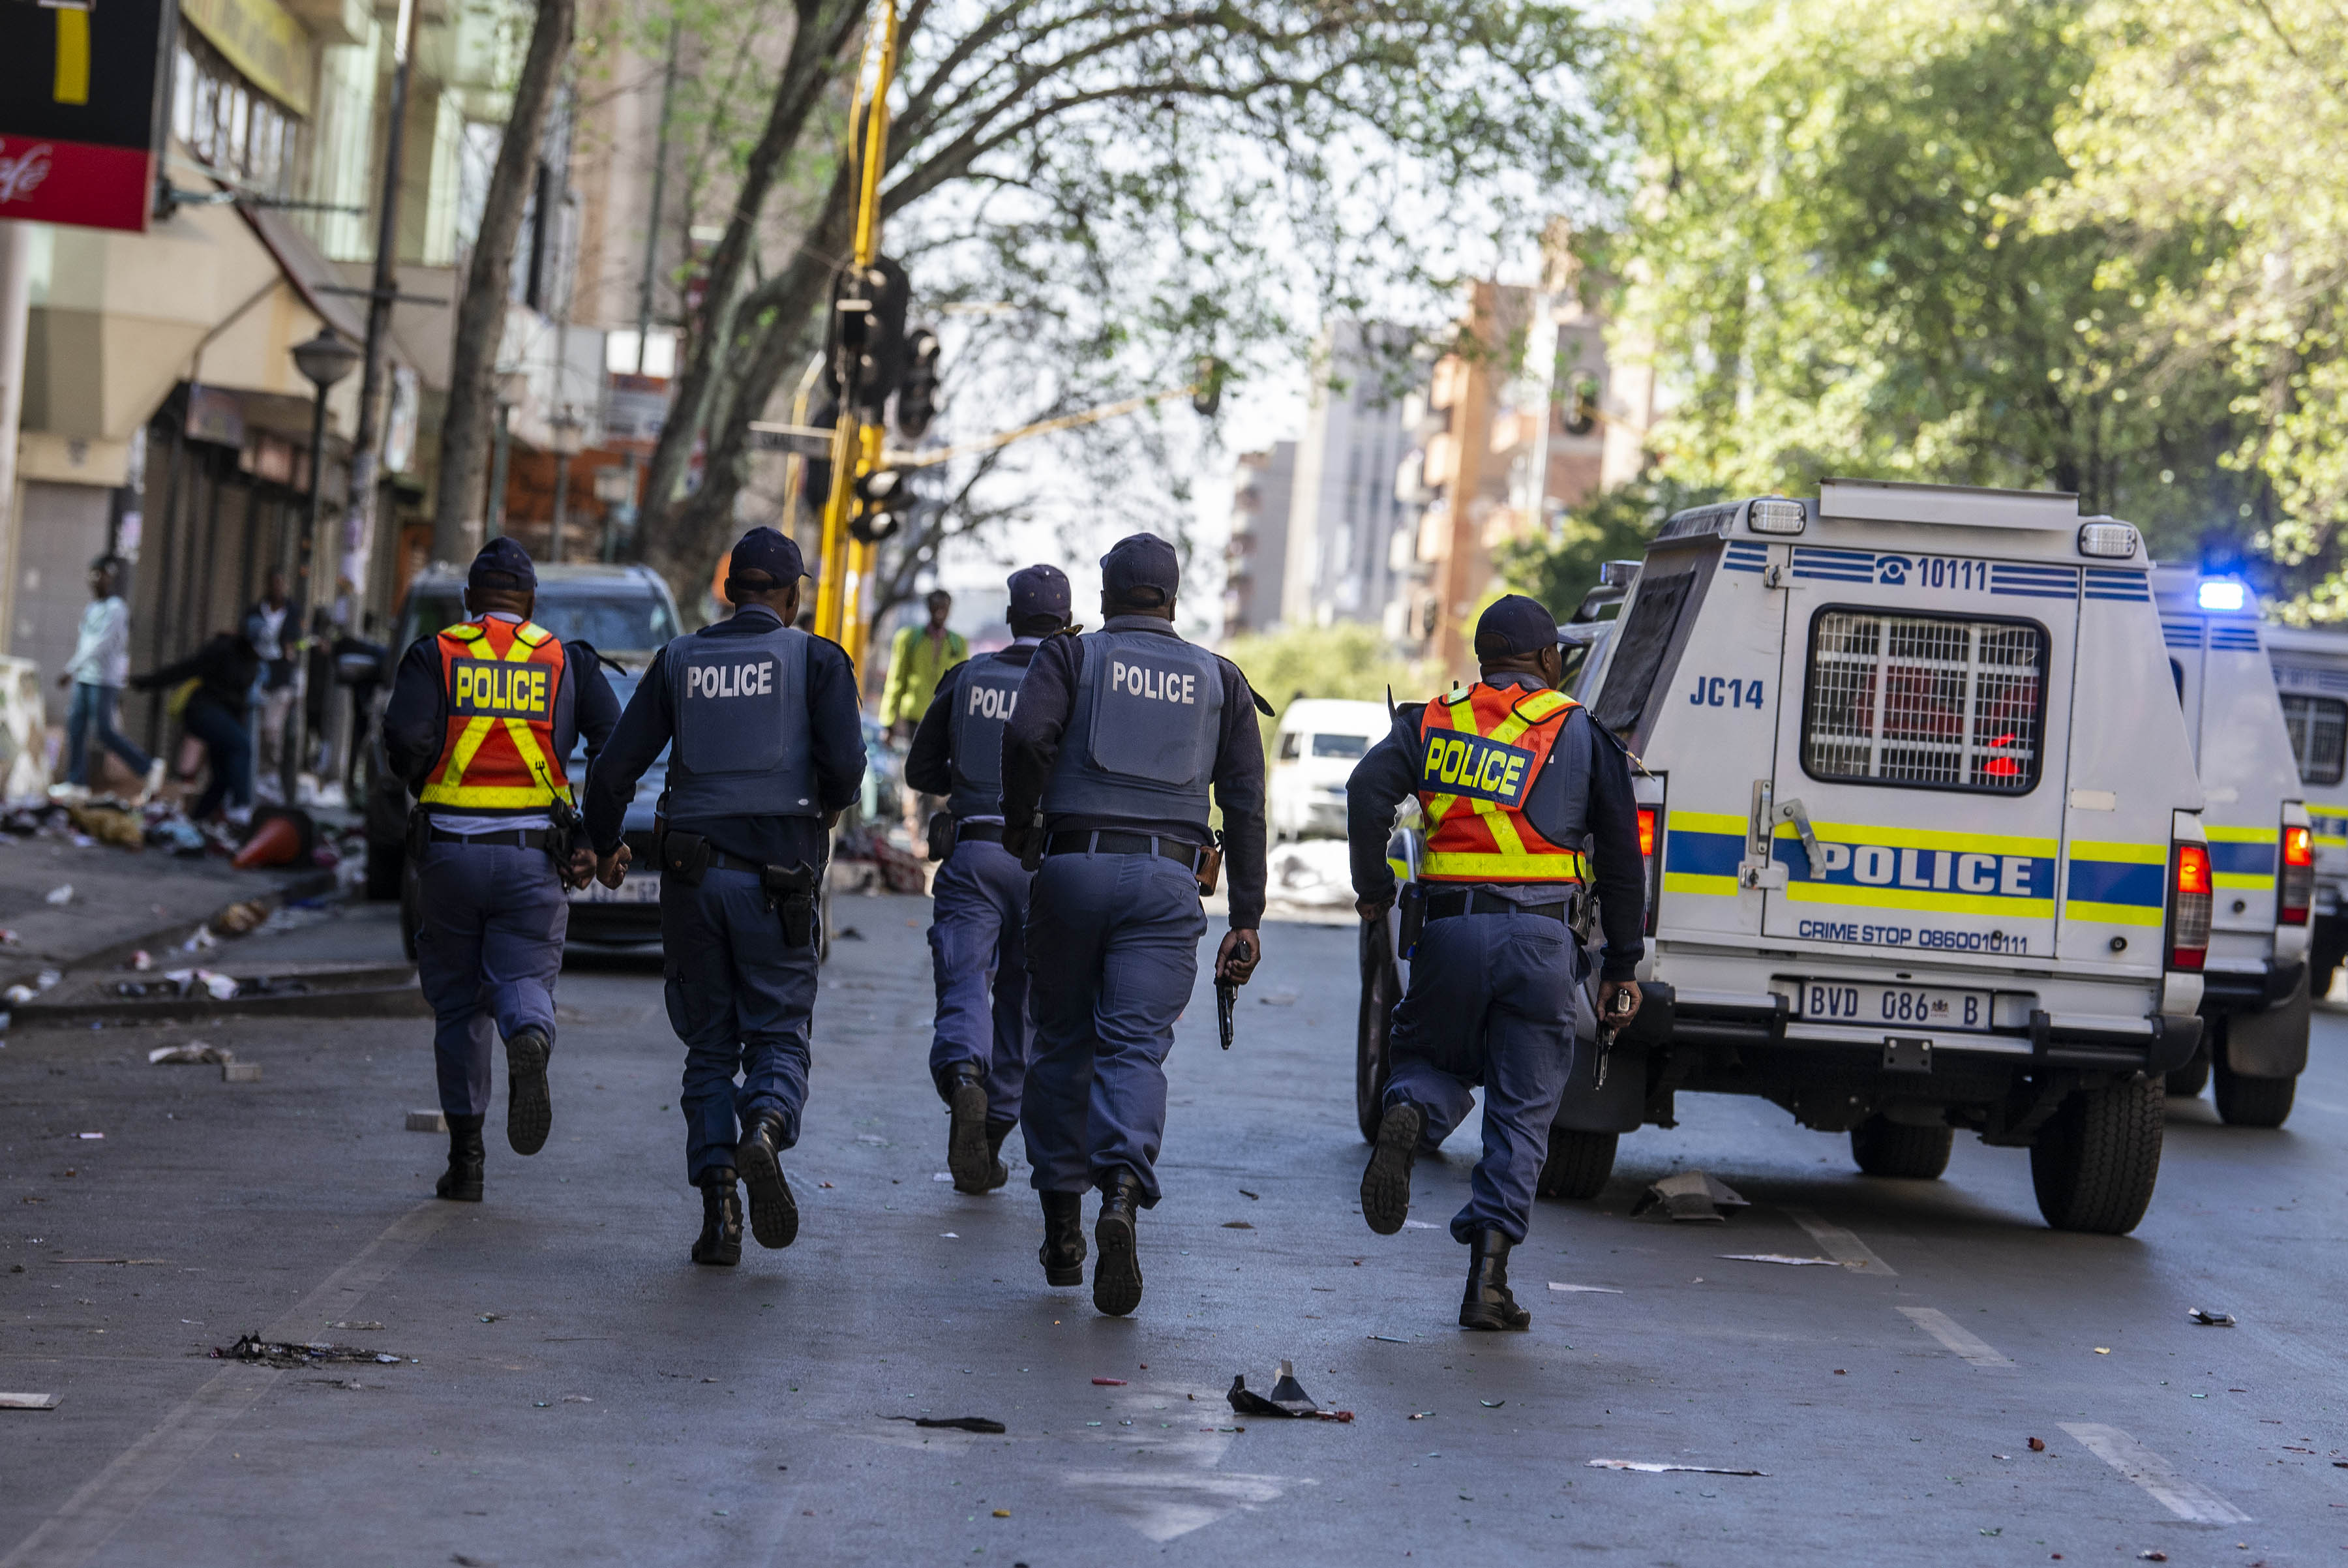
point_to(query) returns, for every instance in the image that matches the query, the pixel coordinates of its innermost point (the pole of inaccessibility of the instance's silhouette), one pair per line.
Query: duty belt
(1471, 900)
(516, 839)
(984, 833)
(719, 860)
(1108, 842)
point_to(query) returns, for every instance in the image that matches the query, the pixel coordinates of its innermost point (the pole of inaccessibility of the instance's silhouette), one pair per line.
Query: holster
(942, 834)
(793, 888)
(1411, 902)
(420, 833)
(1211, 866)
(685, 856)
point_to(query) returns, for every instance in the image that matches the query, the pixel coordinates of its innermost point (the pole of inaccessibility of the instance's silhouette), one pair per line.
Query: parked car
(1312, 755)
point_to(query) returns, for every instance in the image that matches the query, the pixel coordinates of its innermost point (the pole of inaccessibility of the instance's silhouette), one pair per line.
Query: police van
(2254, 982)
(2311, 674)
(1922, 832)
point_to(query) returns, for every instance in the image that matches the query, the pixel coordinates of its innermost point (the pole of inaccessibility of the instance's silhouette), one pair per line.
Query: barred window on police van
(2319, 736)
(1938, 701)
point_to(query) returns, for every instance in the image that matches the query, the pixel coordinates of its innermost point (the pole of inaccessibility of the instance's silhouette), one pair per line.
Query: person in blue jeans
(100, 663)
(225, 669)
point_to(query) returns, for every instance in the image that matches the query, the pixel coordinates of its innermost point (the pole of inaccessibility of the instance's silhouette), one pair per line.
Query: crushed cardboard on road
(1287, 1399)
(1650, 1467)
(1690, 1196)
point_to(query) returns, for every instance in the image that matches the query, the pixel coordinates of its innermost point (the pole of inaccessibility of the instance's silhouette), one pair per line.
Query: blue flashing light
(2219, 593)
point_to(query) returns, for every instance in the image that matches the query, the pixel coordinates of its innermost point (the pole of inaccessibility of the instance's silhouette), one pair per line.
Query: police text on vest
(992, 702)
(754, 679)
(1158, 686)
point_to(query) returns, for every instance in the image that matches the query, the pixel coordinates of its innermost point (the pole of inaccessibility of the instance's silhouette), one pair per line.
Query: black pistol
(1227, 992)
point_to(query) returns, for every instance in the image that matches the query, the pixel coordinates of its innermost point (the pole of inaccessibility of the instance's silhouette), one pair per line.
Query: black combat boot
(966, 1156)
(529, 1110)
(462, 1180)
(774, 1213)
(1487, 1304)
(1386, 1183)
(1063, 1251)
(721, 1221)
(998, 1173)
(1117, 1275)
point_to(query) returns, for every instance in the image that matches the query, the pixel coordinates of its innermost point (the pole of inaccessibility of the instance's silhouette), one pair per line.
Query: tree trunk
(482, 314)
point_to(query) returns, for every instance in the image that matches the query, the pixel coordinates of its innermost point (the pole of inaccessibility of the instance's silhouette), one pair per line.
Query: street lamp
(569, 432)
(323, 360)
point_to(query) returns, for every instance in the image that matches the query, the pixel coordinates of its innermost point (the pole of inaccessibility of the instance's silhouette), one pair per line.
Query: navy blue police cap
(1514, 624)
(501, 564)
(1039, 591)
(765, 549)
(1141, 561)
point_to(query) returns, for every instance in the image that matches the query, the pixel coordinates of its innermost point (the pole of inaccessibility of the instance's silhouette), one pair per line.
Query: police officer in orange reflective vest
(1527, 807)
(482, 717)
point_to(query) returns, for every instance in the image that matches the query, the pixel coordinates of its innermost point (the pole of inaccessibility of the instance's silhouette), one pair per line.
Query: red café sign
(80, 110)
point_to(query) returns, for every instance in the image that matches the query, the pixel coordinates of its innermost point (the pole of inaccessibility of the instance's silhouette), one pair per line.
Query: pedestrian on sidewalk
(265, 626)
(767, 749)
(1106, 764)
(978, 1055)
(919, 656)
(223, 670)
(482, 715)
(96, 672)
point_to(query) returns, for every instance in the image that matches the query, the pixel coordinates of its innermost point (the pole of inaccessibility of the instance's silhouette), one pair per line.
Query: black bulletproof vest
(1143, 733)
(982, 692)
(745, 741)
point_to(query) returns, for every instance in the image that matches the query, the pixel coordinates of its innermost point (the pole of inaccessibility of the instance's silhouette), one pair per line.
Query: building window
(2319, 736)
(1940, 701)
(233, 126)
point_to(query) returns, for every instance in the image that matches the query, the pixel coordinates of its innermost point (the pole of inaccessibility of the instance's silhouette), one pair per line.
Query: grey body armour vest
(982, 692)
(744, 745)
(1143, 732)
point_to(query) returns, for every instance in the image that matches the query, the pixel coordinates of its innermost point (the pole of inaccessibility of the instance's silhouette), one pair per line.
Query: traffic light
(1207, 390)
(917, 399)
(881, 498)
(868, 336)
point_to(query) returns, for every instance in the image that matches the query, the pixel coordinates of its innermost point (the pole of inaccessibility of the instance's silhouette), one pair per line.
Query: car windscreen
(618, 622)
(1340, 744)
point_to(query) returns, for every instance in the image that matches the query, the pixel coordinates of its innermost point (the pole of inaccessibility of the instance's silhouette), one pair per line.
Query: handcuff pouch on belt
(942, 834)
(685, 856)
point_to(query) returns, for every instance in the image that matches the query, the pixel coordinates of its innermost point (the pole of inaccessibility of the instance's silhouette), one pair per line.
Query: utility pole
(651, 253)
(358, 526)
(15, 329)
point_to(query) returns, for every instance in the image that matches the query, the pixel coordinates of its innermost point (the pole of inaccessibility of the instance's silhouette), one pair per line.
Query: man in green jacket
(917, 657)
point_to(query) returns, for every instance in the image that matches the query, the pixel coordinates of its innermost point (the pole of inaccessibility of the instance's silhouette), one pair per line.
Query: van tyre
(2253, 1101)
(2187, 1081)
(1880, 1147)
(1577, 1165)
(2095, 1161)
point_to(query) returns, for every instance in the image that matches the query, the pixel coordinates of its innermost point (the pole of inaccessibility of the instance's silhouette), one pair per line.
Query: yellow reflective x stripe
(1518, 867)
(1463, 717)
(476, 729)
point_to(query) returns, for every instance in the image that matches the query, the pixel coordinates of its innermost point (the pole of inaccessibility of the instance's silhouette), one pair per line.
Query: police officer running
(1107, 762)
(481, 719)
(978, 1056)
(768, 749)
(1514, 779)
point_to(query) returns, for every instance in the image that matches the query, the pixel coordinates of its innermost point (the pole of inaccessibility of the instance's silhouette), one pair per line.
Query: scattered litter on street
(2151, 1556)
(1237, 1225)
(239, 918)
(89, 1137)
(1420, 1225)
(199, 941)
(2210, 1319)
(1689, 1195)
(195, 1053)
(1108, 1382)
(361, 1324)
(1420, 1415)
(59, 896)
(1779, 1258)
(2038, 1445)
(426, 1121)
(1649, 1467)
(1491, 1404)
(941, 1175)
(140, 961)
(1245, 1194)
(1585, 1289)
(1388, 1339)
(285, 1354)
(953, 1423)
(1287, 1399)
(28, 1401)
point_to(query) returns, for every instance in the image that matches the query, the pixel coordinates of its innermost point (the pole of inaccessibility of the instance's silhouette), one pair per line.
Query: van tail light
(2296, 893)
(2189, 907)
(1651, 825)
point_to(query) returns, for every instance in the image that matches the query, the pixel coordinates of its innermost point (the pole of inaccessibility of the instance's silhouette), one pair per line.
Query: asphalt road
(569, 1387)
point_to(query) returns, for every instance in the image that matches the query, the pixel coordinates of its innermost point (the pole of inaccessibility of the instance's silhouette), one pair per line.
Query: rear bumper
(2242, 990)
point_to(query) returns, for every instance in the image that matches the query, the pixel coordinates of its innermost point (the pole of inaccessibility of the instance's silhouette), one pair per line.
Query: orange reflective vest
(502, 678)
(1479, 752)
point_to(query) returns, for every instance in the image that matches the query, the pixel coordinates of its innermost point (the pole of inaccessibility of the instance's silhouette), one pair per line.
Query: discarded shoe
(530, 1109)
(1116, 1273)
(1386, 1182)
(966, 1153)
(1488, 1304)
(1063, 1251)
(774, 1213)
(462, 1183)
(720, 1242)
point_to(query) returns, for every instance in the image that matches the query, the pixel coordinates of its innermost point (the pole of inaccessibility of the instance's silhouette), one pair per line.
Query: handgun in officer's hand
(1233, 966)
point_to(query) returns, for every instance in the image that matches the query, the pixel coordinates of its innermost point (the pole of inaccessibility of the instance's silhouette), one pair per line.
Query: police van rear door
(1927, 693)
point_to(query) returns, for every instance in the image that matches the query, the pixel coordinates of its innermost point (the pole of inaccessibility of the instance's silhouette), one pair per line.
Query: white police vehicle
(1922, 832)
(2254, 995)
(2311, 674)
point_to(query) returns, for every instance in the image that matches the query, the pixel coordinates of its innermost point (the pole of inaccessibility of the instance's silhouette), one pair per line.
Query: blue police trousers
(1491, 1004)
(488, 948)
(1113, 951)
(741, 1002)
(978, 948)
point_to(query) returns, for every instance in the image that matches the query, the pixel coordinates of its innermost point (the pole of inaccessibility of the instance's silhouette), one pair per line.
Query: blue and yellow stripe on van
(1922, 868)
(2330, 832)
(1702, 850)
(2243, 859)
(2116, 884)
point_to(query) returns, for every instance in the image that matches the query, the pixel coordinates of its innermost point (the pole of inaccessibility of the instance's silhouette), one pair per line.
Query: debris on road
(1689, 1195)
(360, 1324)
(239, 918)
(1237, 1225)
(285, 1354)
(1420, 1415)
(2038, 1445)
(28, 1401)
(2151, 1556)
(195, 1053)
(1491, 1404)
(1420, 1225)
(954, 1423)
(1779, 1258)
(1585, 1289)
(2210, 1319)
(1649, 1467)
(140, 961)
(1388, 1339)
(1108, 1382)
(1287, 1399)
(59, 896)
(1245, 1194)
(426, 1121)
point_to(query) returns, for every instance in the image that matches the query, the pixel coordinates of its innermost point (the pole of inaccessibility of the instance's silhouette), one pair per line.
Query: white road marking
(1946, 1329)
(1591, 1289)
(2324, 1105)
(1840, 1244)
(2186, 1499)
(88, 1518)
(1163, 1506)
